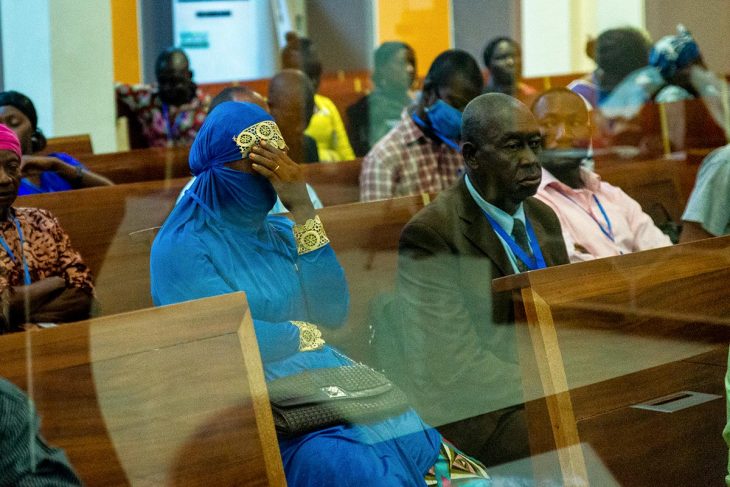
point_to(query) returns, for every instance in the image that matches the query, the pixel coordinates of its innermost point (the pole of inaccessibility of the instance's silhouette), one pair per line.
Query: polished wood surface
(365, 237)
(108, 227)
(139, 165)
(624, 330)
(336, 183)
(74, 145)
(166, 396)
(654, 184)
(113, 229)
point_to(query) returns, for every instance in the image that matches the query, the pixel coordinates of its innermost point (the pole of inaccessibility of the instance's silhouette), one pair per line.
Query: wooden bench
(609, 334)
(70, 144)
(654, 184)
(100, 221)
(336, 183)
(165, 396)
(139, 165)
(113, 229)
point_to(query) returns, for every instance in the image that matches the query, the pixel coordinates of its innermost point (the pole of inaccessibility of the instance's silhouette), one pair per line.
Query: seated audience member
(290, 55)
(239, 93)
(503, 58)
(421, 153)
(375, 114)
(42, 278)
(291, 103)
(295, 119)
(25, 457)
(293, 284)
(47, 173)
(597, 219)
(450, 341)
(326, 126)
(708, 211)
(169, 113)
(676, 74)
(618, 53)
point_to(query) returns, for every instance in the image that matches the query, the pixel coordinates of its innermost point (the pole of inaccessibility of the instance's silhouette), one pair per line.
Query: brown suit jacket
(451, 340)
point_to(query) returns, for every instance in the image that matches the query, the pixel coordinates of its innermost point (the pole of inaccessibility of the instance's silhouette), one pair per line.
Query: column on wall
(424, 24)
(59, 53)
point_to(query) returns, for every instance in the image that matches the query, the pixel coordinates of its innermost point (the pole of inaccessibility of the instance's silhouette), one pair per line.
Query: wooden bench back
(139, 165)
(335, 183)
(100, 221)
(113, 229)
(655, 184)
(165, 396)
(75, 145)
(612, 333)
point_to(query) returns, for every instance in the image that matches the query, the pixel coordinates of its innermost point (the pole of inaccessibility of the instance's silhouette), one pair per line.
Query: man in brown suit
(450, 341)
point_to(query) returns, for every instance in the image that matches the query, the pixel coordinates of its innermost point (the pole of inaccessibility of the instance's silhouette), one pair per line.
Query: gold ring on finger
(276, 168)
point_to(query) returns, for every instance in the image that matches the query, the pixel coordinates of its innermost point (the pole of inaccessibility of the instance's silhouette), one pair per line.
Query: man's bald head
(564, 119)
(291, 100)
(291, 84)
(172, 59)
(238, 93)
(487, 115)
(501, 140)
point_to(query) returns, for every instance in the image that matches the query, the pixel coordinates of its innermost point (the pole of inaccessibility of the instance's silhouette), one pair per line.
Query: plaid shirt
(407, 162)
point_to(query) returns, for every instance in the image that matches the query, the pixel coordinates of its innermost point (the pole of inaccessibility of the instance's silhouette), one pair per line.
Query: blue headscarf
(673, 53)
(220, 226)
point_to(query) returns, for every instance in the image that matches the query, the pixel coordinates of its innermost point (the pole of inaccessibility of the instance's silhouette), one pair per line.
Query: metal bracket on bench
(676, 402)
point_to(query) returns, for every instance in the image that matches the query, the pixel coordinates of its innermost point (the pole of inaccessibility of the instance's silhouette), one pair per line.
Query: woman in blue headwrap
(220, 239)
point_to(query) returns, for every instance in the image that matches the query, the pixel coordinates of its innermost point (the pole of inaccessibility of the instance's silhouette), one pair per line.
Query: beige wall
(708, 20)
(59, 53)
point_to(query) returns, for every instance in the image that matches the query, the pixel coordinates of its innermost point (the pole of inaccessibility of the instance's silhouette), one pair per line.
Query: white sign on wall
(227, 40)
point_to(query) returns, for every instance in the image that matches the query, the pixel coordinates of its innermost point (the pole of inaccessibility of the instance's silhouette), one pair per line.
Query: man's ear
(468, 151)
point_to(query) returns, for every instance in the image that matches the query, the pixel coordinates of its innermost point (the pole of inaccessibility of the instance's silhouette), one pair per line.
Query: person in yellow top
(326, 126)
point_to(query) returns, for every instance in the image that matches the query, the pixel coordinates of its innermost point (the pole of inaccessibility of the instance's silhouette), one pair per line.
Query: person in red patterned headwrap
(42, 278)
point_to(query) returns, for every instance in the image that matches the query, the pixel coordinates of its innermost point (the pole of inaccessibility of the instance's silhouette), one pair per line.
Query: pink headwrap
(9, 141)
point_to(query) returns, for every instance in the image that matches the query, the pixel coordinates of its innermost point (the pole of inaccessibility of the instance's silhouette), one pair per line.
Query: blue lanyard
(537, 261)
(9, 251)
(608, 229)
(443, 139)
(171, 129)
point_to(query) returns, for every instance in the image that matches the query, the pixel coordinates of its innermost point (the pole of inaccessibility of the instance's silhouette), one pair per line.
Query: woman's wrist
(310, 235)
(310, 338)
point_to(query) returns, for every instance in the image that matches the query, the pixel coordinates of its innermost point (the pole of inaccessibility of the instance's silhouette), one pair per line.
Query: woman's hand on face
(286, 176)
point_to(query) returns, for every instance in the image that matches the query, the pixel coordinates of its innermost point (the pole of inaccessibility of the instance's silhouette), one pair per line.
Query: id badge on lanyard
(9, 251)
(537, 261)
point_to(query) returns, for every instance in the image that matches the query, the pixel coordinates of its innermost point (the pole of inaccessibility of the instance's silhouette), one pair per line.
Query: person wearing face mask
(597, 219)
(294, 286)
(421, 153)
(169, 113)
(503, 58)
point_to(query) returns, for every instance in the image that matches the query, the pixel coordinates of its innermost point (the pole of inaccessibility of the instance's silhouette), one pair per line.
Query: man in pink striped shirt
(597, 219)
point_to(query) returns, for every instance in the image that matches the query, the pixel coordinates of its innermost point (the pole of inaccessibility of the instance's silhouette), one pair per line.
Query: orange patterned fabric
(47, 250)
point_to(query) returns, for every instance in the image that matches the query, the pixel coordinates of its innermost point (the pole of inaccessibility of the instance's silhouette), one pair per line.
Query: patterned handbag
(320, 398)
